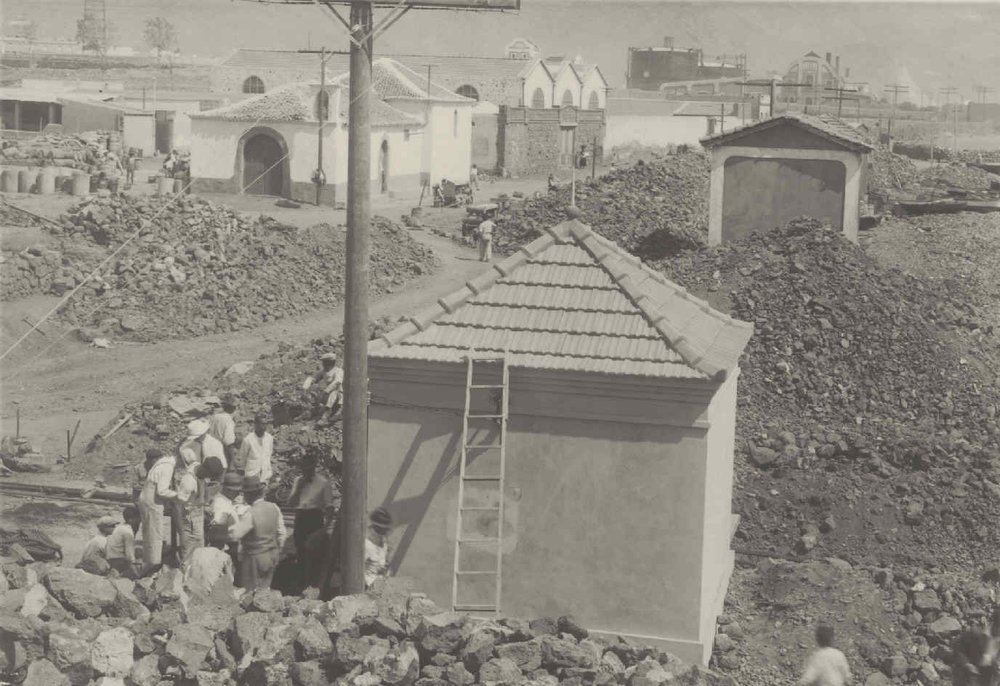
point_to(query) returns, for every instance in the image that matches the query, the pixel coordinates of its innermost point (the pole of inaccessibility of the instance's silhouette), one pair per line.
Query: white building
(268, 144)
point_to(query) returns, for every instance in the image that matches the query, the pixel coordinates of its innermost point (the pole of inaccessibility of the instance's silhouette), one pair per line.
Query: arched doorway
(253, 84)
(263, 166)
(383, 166)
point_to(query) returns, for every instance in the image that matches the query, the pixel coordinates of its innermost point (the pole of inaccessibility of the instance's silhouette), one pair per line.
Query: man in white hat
(202, 443)
(332, 378)
(95, 558)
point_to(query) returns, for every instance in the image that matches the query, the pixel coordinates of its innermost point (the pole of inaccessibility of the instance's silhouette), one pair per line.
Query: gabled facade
(616, 376)
(765, 174)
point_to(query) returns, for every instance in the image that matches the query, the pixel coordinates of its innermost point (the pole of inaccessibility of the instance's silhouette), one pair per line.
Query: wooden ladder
(463, 543)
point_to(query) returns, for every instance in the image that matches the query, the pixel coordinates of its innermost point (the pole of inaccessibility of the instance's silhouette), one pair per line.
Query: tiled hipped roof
(824, 125)
(572, 300)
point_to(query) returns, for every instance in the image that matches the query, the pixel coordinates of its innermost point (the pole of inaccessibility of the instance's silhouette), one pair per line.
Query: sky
(925, 45)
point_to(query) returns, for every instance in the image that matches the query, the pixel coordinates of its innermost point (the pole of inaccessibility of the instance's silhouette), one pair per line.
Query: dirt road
(56, 379)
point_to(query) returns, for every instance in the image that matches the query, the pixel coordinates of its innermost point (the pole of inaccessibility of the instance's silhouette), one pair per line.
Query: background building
(650, 68)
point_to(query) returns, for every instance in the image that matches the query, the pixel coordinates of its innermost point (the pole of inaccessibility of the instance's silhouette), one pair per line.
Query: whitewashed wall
(623, 129)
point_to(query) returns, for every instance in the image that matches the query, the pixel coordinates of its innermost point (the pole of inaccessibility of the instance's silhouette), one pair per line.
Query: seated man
(121, 544)
(95, 557)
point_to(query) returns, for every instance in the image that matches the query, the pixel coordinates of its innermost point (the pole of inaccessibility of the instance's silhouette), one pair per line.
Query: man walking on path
(485, 235)
(261, 532)
(827, 666)
(156, 492)
(222, 428)
(254, 456)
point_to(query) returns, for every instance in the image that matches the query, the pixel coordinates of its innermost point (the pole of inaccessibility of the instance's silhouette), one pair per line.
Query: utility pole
(895, 89)
(722, 118)
(593, 160)
(948, 92)
(840, 98)
(772, 84)
(322, 113)
(354, 505)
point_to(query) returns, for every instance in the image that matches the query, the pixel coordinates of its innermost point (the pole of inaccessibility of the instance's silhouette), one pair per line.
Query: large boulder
(350, 652)
(24, 633)
(478, 648)
(499, 672)
(527, 655)
(38, 602)
(309, 673)
(399, 667)
(70, 653)
(83, 594)
(312, 641)
(43, 673)
(189, 646)
(349, 610)
(560, 652)
(146, 671)
(111, 653)
(248, 633)
(441, 633)
(127, 604)
(167, 591)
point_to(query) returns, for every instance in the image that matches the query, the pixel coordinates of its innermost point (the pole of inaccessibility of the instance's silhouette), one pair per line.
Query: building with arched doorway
(269, 144)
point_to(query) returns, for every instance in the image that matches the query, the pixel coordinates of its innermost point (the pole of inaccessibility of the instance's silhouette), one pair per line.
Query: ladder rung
(483, 447)
(486, 385)
(476, 573)
(475, 608)
(480, 509)
(485, 416)
(482, 477)
(479, 540)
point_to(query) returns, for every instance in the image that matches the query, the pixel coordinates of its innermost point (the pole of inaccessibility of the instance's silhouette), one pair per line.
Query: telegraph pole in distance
(840, 97)
(948, 92)
(322, 113)
(895, 89)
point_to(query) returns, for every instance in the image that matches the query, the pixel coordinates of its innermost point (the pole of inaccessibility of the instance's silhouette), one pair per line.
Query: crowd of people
(202, 507)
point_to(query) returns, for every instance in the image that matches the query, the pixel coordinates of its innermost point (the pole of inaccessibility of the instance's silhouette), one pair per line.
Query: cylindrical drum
(61, 183)
(164, 185)
(178, 185)
(8, 181)
(26, 179)
(47, 182)
(113, 184)
(81, 184)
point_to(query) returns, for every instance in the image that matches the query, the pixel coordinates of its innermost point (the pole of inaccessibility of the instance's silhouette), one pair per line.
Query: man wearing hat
(377, 546)
(222, 428)
(121, 543)
(254, 457)
(224, 511)
(312, 493)
(95, 557)
(157, 491)
(203, 444)
(261, 533)
(332, 378)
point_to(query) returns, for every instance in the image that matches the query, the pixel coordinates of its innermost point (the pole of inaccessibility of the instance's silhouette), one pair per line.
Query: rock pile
(957, 176)
(652, 209)
(86, 151)
(889, 171)
(922, 151)
(195, 267)
(65, 627)
(851, 370)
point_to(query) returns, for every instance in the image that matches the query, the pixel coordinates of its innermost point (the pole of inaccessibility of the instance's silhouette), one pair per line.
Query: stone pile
(853, 370)
(652, 209)
(194, 268)
(889, 171)
(922, 151)
(86, 151)
(957, 176)
(65, 627)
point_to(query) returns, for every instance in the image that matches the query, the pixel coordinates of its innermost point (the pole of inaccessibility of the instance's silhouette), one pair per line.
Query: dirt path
(57, 383)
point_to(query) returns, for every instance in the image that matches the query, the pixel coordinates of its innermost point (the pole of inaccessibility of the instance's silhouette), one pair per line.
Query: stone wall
(529, 140)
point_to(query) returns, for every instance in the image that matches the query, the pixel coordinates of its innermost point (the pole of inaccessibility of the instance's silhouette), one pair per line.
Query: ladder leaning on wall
(464, 577)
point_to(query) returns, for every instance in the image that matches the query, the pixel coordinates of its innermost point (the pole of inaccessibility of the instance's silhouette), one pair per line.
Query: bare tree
(160, 35)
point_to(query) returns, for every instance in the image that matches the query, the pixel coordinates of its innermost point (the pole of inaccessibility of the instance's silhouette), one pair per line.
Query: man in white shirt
(332, 377)
(121, 543)
(827, 666)
(223, 429)
(254, 456)
(157, 491)
(95, 557)
(202, 443)
(485, 235)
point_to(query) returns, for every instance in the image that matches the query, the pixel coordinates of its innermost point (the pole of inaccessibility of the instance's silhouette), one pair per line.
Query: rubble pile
(958, 176)
(923, 151)
(652, 209)
(44, 269)
(889, 171)
(65, 627)
(15, 216)
(195, 268)
(851, 370)
(86, 151)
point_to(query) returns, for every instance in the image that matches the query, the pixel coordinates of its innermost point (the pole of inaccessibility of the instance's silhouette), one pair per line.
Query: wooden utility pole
(895, 89)
(593, 160)
(840, 98)
(322, 114)
(948, 92)
(354, 508)
(773, 85)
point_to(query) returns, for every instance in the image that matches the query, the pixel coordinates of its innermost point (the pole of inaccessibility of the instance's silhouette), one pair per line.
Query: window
(468, 92)
(323, 106)
(595, 101)
(253, 84)
(538, 99)
(567, 98)
(454, 123)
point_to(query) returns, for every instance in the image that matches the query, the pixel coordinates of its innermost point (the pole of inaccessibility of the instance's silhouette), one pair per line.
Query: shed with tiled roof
(619, 439)
(767, 173)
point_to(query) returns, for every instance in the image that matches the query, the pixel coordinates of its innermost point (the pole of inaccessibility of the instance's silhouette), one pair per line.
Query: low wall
(530, 140)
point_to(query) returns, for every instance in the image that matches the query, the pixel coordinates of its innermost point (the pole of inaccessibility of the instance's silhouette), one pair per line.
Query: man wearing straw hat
(203, 444)
(261, 532)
